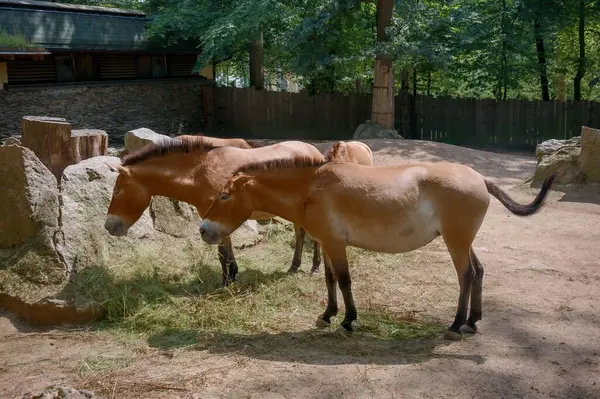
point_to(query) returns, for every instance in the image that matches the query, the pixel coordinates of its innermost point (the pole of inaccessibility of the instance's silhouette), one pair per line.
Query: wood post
(56, 146)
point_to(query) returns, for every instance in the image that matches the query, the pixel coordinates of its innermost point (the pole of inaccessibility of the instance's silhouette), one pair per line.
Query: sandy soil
(539, 337)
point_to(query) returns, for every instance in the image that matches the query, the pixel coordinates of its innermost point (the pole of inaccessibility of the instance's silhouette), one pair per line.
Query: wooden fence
(507, 124)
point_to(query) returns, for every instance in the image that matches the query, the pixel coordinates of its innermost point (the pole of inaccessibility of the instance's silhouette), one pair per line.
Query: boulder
(549, 146)
(138, 138)
(247, 235)
(30, 266)
(86, 190)
(565, 161)
(59, 391)
(370, 130)
(589, 159)
(175, 218)
(12, 140)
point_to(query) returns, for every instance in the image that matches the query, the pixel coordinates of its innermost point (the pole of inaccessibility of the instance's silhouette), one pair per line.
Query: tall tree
(539, 44)
(257, 71)
(581, 60)
(382, 111)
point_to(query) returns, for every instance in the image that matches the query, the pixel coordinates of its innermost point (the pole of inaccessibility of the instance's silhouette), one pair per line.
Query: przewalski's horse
(341, 151)
(192, 171)
(216, 141)
(390, 209)
(350, 151)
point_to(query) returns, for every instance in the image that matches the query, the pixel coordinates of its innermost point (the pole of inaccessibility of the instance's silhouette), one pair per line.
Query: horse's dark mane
(165, 147)
(282, 163)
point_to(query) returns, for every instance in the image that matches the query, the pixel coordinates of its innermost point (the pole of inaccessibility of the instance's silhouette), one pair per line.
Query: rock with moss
(550, 146)
(589, 158)
(86, 191)
(138, 138)
(30, 266)
(62, 392)
(173, 217)
(564, 162)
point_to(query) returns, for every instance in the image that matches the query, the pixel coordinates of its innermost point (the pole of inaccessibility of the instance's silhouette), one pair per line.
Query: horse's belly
(394, 234)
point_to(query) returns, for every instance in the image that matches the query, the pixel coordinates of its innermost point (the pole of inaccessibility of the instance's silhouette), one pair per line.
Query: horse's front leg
(299, 235)
(229, 265)
(316, 257)
(332, 307)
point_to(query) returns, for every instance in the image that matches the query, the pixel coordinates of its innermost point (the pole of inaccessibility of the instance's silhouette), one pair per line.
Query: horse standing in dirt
(341, 151)
(192, 170)
(390, 209)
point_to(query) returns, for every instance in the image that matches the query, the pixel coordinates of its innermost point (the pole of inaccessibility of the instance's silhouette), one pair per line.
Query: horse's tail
(515, 207)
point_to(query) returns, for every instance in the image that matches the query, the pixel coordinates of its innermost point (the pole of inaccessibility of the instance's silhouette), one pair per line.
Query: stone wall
(167, 107)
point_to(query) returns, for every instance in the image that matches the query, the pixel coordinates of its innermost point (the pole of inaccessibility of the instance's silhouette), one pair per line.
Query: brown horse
(341, 151)
(193, 171)
(391, 209)
(216, 141)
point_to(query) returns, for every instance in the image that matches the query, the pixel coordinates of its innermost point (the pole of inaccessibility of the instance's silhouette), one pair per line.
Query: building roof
(68, 27)
(48, 5)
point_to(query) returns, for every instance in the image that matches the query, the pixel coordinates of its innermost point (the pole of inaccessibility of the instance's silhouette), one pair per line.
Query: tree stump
(89, 143)
(56, 146)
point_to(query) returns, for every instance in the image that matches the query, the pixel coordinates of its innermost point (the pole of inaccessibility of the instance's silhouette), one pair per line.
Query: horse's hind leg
(476, 294)
(299, 234)
(466, 274)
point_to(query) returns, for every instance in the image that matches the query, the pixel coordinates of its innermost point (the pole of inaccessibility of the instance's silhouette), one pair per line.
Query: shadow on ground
(312, 346)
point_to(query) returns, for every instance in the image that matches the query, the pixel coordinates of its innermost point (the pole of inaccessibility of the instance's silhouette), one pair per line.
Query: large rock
(12, 140)
(247, 235)
(175, 218)
(549, 146)
(86, 190)
(370, 130)
(60, 391)
(589, 159)
(138, 138)
(564, 161)
(30, 266)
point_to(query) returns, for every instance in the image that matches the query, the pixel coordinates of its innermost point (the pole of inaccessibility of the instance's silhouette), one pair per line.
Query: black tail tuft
(515, 207)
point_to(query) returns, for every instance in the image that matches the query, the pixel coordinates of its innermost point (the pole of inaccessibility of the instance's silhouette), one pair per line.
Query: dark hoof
(320, 323)
(343, 331)
(468, 329)
(314, 270)
(347, 325)
(452, 335)
(292, 270)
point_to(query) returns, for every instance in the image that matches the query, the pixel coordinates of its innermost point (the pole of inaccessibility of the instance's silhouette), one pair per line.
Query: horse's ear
(242, 180)
(118, 168)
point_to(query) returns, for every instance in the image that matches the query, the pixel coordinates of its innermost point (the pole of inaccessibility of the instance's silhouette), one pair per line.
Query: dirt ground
(539, 337)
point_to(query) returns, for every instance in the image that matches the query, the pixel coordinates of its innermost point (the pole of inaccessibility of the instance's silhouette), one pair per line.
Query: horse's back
(216, 141)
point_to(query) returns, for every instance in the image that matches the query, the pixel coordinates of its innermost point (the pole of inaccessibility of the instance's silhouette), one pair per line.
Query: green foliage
(470, 48)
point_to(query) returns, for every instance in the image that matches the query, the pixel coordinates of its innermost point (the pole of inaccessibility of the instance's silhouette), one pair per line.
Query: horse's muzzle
(116, 226)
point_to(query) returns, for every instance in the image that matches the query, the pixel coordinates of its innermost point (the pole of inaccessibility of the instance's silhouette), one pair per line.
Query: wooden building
(86, 44)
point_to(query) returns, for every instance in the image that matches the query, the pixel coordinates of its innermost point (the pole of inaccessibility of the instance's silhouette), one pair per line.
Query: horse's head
(230, 208)
(129, 201)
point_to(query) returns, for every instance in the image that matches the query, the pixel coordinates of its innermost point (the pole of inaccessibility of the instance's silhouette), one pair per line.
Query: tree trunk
(539, 44)
(429, 83)
(414, 82)
(56, 146)
(88, 143)
(382, 111)
(581, 60)
(560, 87)
(257, 73)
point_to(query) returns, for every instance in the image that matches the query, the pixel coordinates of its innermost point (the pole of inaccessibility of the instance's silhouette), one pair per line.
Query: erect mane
(282, 163)
(167, 146)
(334, 151)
